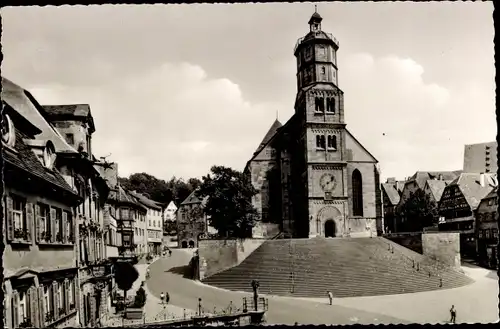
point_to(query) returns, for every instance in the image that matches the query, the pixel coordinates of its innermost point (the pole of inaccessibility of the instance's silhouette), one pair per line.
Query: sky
(175, 89)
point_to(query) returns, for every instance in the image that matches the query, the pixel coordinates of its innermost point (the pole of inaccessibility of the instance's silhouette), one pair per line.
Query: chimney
(391, 180)
(482, 179)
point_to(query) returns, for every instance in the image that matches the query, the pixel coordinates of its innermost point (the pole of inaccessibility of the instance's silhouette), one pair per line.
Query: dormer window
(8, 131)
(49, 156)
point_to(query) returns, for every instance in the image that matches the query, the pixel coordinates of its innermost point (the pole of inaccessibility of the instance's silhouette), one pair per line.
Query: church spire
(315, 20)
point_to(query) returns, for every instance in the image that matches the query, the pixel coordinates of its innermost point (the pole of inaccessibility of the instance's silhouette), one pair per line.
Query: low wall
(219, 255)
(442, 247)
(412, 241)
(265, 230)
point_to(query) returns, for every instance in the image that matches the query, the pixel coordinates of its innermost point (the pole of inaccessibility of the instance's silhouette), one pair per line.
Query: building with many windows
(313, 176)
(154, 223)
(40, 257)
(487, 230)
(482, 157)
(458, 205)
(75, 122)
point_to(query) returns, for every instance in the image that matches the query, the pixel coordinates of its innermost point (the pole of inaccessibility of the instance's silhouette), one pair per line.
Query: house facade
(191, 221)
(154, 223)
(391, 193)
(458, 205)
(41, 234)
(75, 123)
(487, 230)
(419, 182)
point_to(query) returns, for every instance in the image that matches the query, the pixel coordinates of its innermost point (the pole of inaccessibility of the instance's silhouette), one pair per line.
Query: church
(313, 177)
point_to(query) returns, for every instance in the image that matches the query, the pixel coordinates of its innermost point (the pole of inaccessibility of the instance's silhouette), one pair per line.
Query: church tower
(320, 136)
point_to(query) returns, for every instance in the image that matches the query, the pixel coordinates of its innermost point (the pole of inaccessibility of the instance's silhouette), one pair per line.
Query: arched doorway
(329, 228)
(184, 244)
(326, 217)
(191, 244)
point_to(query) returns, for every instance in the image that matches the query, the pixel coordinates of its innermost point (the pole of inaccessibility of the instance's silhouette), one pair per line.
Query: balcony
(329, 35)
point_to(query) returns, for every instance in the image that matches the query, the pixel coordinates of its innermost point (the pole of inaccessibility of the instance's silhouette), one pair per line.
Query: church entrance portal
(329, 228)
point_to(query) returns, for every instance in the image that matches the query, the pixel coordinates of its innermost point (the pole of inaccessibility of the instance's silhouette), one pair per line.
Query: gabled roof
(469, 185)
(26, 105)
(436, 187)
(120, 195)
(191, 199)
(391, 192)
(421, 177)
(145, 200)
(278, 132)
(492, 194)
(360, 145)
(70, 110)
(270, 133)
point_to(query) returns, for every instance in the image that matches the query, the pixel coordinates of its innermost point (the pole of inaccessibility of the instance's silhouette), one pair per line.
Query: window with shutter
(29, 220)
(38, 224)
(41, 306)
(64, 231)
(55, 296)
(33, 297)
(52, 225)
(15, 309)
(10, 218)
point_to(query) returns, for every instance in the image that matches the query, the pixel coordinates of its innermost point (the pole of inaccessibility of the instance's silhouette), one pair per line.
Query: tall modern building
(313, 176)
(481, 158)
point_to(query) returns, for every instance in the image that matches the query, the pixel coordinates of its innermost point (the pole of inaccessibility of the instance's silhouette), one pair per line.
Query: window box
(49, 317)
(26, 323)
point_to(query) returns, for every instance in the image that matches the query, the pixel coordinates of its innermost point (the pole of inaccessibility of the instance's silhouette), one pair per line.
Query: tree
(417, 212)
(229, 205)
(126, 278)
(159, 190)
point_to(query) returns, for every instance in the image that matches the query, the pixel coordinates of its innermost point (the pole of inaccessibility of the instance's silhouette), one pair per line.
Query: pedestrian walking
(453, 314)
(169, 253)
(330, 297)
(167, 298)
(162, 297)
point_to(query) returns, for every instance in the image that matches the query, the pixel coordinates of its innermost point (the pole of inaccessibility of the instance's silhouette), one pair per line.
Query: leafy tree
(159, 190)
(126, 278)
(229, 205)
(417, 212)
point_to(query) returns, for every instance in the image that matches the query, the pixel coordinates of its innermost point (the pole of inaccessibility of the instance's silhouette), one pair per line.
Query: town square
(249, 164)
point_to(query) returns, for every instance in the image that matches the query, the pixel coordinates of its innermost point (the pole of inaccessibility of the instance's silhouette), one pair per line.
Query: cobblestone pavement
(167, 275)
(475, 303)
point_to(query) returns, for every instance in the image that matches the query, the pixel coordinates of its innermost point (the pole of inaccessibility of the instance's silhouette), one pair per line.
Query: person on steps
(330, 297)
(167, 298)
(162, 297)
(453, 314)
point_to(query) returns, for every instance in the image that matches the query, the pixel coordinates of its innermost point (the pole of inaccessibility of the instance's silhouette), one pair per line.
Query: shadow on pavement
(181, 270)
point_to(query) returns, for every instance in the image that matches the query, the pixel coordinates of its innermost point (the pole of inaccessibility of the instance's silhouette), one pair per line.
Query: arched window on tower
(320, 141)
(330, 105)
(319, 104)
(332, 142)
(357, 193)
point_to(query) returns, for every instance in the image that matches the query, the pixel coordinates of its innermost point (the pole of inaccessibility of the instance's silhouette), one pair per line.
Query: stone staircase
(347, 267)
